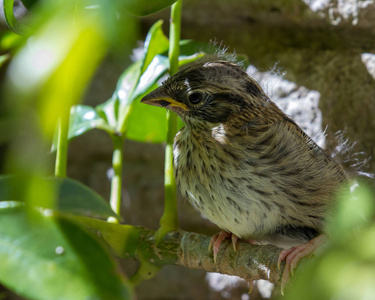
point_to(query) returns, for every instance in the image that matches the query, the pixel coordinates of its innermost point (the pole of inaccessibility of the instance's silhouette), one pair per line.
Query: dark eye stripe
(195, 98)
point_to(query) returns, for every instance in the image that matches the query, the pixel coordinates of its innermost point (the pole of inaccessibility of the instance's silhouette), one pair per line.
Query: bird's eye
(195, 98)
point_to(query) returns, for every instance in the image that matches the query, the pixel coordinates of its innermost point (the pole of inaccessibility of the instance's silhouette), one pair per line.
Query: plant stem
(62, 145)
(115, 198)
(174, 36)
(124, 115)
(169, 220)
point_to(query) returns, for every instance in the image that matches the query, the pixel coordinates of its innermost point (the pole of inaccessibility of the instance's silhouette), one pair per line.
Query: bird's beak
(159, 98)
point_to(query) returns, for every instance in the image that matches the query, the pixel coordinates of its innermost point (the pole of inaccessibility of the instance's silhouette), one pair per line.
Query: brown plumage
(245, 164)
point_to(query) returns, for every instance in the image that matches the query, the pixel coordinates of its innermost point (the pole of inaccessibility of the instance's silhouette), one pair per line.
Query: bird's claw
(234, 239)
(293, 255)
(251, 286)
(218, 238)
(212, 241)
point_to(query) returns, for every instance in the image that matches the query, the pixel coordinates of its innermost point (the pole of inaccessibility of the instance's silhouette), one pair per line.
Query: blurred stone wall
(318, 48)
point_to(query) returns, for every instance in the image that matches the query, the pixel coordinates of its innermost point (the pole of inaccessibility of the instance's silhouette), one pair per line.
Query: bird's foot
(295, 254)
(251, 286)
(218, 238)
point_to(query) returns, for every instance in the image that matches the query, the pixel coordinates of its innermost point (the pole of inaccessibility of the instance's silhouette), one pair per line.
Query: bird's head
(209, 92)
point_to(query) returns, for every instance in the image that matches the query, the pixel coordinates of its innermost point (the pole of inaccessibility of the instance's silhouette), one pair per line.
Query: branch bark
(249, 261)
(188, 249)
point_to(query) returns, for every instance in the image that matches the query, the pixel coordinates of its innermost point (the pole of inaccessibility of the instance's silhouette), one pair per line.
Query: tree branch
(250, 262)
(188, 249)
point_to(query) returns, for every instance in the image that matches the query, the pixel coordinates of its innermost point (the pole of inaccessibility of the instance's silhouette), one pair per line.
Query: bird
(247, 166)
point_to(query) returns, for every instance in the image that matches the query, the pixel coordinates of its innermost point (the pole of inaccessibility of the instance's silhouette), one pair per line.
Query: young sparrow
(245, 165)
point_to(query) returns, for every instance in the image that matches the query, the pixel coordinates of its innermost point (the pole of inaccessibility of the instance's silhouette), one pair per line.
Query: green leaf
(109, 111)
(183, 60)
(145, 7)
(353, 211)
(144, 123)
(147, 123)
(84, 118)
(9, 41)
(43, 257)
(128, 92)
(3, 59)
(60, 83)
(344, 267)
(29, 3)
(127, 89)
(10, 188)
(11, 21)
(156, 43)
(76, 198)
(190, 47)
(71, 196)
(155, 70)
(123, 239)
(127, 84)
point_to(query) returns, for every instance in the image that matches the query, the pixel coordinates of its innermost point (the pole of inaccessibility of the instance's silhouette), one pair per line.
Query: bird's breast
(217, 181)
